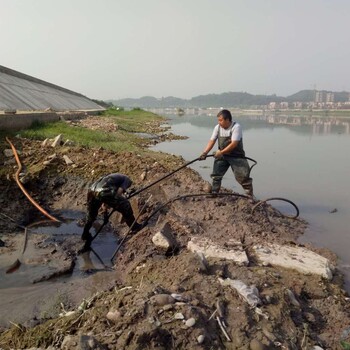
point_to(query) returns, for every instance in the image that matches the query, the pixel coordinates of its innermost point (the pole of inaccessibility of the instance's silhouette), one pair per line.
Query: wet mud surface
(151, 297)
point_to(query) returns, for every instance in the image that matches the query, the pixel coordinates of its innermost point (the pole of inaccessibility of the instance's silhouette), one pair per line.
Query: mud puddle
(41, 285)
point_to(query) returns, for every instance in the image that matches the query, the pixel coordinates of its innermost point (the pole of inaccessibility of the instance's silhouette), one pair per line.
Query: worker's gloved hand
(218, 154)
(120, 191)
(203, 156)
(129, 192)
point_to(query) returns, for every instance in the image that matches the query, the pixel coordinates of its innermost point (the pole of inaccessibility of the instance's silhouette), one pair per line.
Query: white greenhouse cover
(22, 92)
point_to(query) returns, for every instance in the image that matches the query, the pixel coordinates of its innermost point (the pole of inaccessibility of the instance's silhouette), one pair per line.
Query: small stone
(179, 316)
(162, 299)
(268, 299)
(292, 298)
(67, 160)
(143, 176)
(177, 297)
(200, 339)
(68, 143)
(168, 307)
(52, 156)
(310, 317)
(190, 322)
(8, 153)
(113, 315)
(57, 141)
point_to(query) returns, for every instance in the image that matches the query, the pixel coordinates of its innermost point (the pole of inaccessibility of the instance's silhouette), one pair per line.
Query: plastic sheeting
(22, 92)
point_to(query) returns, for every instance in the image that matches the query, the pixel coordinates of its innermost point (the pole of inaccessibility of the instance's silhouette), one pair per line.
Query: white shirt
(235, 131)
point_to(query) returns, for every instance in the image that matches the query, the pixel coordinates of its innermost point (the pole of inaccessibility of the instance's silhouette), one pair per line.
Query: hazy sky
(131, 48)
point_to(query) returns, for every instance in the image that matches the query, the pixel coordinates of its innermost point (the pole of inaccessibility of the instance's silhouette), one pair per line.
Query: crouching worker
(108, 191)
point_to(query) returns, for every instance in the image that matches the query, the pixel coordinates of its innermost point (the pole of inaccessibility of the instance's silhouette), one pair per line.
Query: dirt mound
(173, 298)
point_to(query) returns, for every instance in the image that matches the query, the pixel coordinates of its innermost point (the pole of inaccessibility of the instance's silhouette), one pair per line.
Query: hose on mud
(209, 195)
(43, 211)
(279, 199)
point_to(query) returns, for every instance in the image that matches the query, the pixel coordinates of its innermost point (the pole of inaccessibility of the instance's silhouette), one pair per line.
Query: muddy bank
(161, 294)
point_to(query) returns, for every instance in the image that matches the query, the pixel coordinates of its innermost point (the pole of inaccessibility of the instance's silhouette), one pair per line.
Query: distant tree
(103, 103)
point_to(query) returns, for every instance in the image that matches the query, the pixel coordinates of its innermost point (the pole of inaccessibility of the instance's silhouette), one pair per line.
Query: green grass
(82, 136)
(132, 121)
(123, 139)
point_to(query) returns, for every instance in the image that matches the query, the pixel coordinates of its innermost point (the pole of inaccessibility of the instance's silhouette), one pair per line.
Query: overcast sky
(131, 48)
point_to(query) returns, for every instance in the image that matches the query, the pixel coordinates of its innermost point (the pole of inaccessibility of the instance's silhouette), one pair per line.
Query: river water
(304, 159)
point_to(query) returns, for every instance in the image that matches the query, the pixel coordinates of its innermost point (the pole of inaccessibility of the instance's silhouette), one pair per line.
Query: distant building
(320, 96)
(272, 105)
(323, 96)
(329, 97)
(297, 105)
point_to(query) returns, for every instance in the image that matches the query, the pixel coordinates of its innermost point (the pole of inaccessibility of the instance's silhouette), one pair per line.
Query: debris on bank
(206, 273)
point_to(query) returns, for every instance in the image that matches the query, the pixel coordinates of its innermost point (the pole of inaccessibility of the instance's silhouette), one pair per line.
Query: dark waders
(238, 164)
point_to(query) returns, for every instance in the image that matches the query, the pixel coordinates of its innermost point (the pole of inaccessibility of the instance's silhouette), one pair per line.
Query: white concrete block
(297, 258)
(212, 250)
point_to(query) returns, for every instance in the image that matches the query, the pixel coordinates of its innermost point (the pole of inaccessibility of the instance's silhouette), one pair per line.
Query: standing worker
(230, 153)
(108, 191)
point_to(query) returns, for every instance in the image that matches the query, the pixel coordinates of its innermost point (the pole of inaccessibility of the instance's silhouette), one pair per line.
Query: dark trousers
(241, 171)
(118, 203)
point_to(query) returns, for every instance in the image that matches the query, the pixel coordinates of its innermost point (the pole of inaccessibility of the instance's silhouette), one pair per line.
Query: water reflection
(314, 125)
(302, 158)
(318, 125)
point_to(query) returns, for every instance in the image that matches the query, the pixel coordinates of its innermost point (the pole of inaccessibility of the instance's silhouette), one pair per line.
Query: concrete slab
(211, 250)
(297, 258)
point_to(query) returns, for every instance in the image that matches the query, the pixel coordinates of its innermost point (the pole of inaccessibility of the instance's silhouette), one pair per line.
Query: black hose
(222, 195)
(244, 157)
(210, 195)
(184, 166)
(164, 177)
(279, 199)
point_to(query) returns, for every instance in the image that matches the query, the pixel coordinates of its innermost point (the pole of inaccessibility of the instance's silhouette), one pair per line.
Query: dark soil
(142, 270)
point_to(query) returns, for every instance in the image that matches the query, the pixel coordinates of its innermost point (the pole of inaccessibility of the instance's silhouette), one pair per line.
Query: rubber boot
(248, 189)
(216, 186)
(249, 192)
(86, 236)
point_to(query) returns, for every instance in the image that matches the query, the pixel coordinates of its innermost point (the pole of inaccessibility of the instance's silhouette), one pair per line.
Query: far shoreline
(265, 112)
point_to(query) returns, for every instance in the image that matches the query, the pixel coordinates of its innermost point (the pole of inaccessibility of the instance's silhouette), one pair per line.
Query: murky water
(304, 159)
(20, 299)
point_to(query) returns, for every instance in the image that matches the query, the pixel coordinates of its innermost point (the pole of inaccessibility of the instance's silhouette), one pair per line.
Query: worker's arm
(207, 149)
